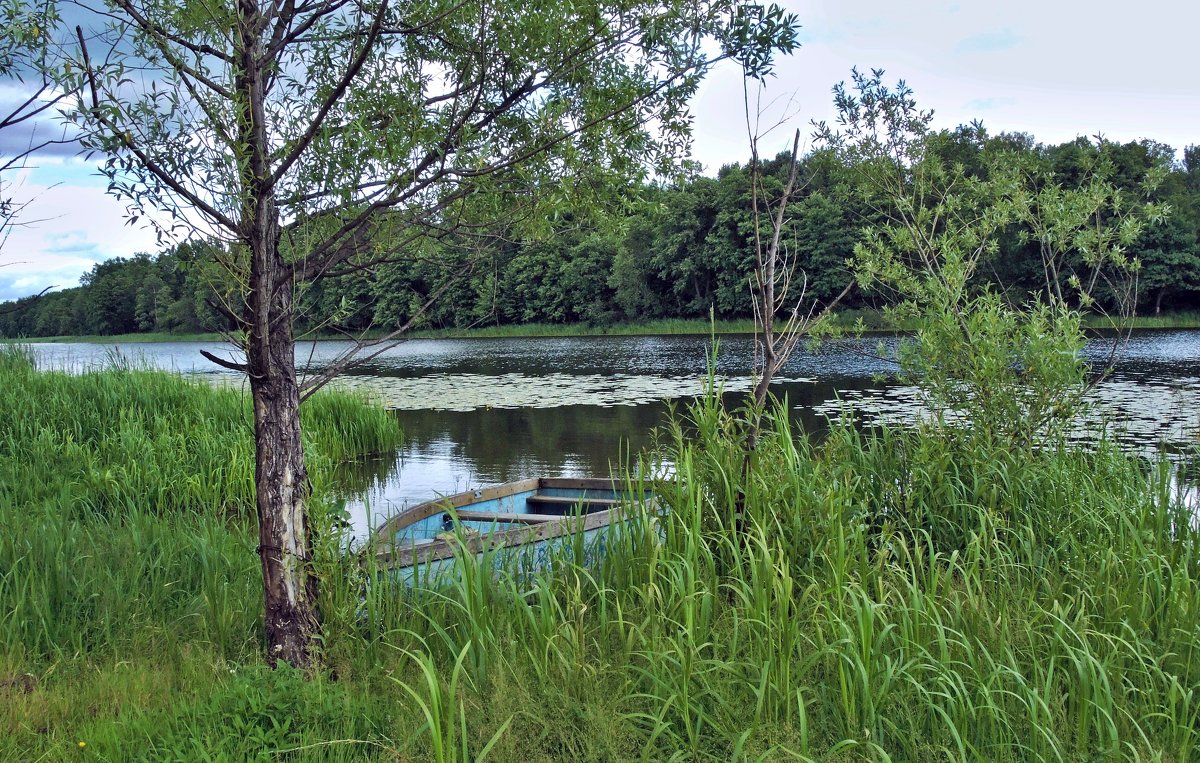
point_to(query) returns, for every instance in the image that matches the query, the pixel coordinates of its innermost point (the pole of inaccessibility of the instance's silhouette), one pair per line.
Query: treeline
(678, 251)
(170, 292)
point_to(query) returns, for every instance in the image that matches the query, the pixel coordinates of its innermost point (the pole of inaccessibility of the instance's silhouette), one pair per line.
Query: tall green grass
(127, 557)
(904, 595)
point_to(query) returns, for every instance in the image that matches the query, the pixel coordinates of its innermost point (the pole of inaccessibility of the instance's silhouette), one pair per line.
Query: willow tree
(324, 137)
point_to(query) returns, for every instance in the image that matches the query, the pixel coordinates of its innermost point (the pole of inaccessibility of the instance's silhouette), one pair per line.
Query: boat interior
(527, 503)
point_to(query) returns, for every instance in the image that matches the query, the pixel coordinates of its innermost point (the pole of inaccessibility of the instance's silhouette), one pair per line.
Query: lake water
(483, 411)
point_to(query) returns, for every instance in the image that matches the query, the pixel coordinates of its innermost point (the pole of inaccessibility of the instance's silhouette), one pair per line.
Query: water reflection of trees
(362, 476)
(502, 444)
(584, 437)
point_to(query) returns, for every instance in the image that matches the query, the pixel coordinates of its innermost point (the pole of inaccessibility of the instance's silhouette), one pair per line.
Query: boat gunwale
(394, 555)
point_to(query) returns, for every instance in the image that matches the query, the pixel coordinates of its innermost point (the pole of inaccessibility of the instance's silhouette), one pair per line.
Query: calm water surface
(482, 411)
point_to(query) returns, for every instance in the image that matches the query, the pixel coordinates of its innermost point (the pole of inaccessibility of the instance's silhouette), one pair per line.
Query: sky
(1056, 69)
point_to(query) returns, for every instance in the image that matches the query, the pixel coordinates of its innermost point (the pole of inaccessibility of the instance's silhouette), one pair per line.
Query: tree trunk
(1158, 301)
(281, 481)
(282, 488)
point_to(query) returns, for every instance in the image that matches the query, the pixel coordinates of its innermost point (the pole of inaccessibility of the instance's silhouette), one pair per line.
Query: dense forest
(674, 250)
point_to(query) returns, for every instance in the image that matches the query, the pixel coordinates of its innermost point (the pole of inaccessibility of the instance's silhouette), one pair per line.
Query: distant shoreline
(872, 320)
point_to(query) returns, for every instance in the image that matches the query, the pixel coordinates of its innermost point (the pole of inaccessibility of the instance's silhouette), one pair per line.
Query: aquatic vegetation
(1143, 415)
(468, 392)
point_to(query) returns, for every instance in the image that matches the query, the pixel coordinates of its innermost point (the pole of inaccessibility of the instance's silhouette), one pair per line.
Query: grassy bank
(905, 597)
(873, 320)
(120, 338)
(643, 328)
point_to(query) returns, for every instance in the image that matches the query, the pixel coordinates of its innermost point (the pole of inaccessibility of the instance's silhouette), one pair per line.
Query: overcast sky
(1053, 68)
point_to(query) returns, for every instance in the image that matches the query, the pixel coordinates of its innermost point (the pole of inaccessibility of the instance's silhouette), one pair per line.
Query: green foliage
(364, 156)
(823, 238)
(25, 37)
(1010, 375)
(172, 292)
(122, 479)
(917, 594)
(442, 707)
(131, 445)
(1007, 365)
(26, 28)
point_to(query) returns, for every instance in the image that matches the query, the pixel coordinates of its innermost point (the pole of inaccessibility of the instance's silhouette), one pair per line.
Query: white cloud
(1048, 67)
(68, 225)
(988, 42)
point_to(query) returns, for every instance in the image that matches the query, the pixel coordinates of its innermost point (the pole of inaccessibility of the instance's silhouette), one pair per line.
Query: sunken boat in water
(519, 523)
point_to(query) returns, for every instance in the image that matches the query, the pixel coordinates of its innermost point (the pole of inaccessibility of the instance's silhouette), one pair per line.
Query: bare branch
(162, 37)
(25, 302)
(232, 366)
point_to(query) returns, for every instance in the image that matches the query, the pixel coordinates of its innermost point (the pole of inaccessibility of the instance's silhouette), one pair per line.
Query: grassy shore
(645, 328)
(873, 320)
(118, 338)
(905, 596)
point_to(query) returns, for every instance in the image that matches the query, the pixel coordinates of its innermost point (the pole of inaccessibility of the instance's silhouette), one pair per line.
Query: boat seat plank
(557, 500)
(491, 516)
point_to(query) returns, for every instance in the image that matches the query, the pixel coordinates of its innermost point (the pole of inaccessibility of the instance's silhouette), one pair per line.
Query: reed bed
(903, 595)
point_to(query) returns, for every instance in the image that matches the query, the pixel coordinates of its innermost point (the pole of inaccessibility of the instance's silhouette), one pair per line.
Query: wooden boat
(526, 519)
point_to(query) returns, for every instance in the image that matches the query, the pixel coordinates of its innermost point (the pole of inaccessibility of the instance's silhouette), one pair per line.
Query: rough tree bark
(281, 479)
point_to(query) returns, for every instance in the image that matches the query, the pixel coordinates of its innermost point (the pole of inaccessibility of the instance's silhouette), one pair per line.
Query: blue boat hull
(520, 526)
